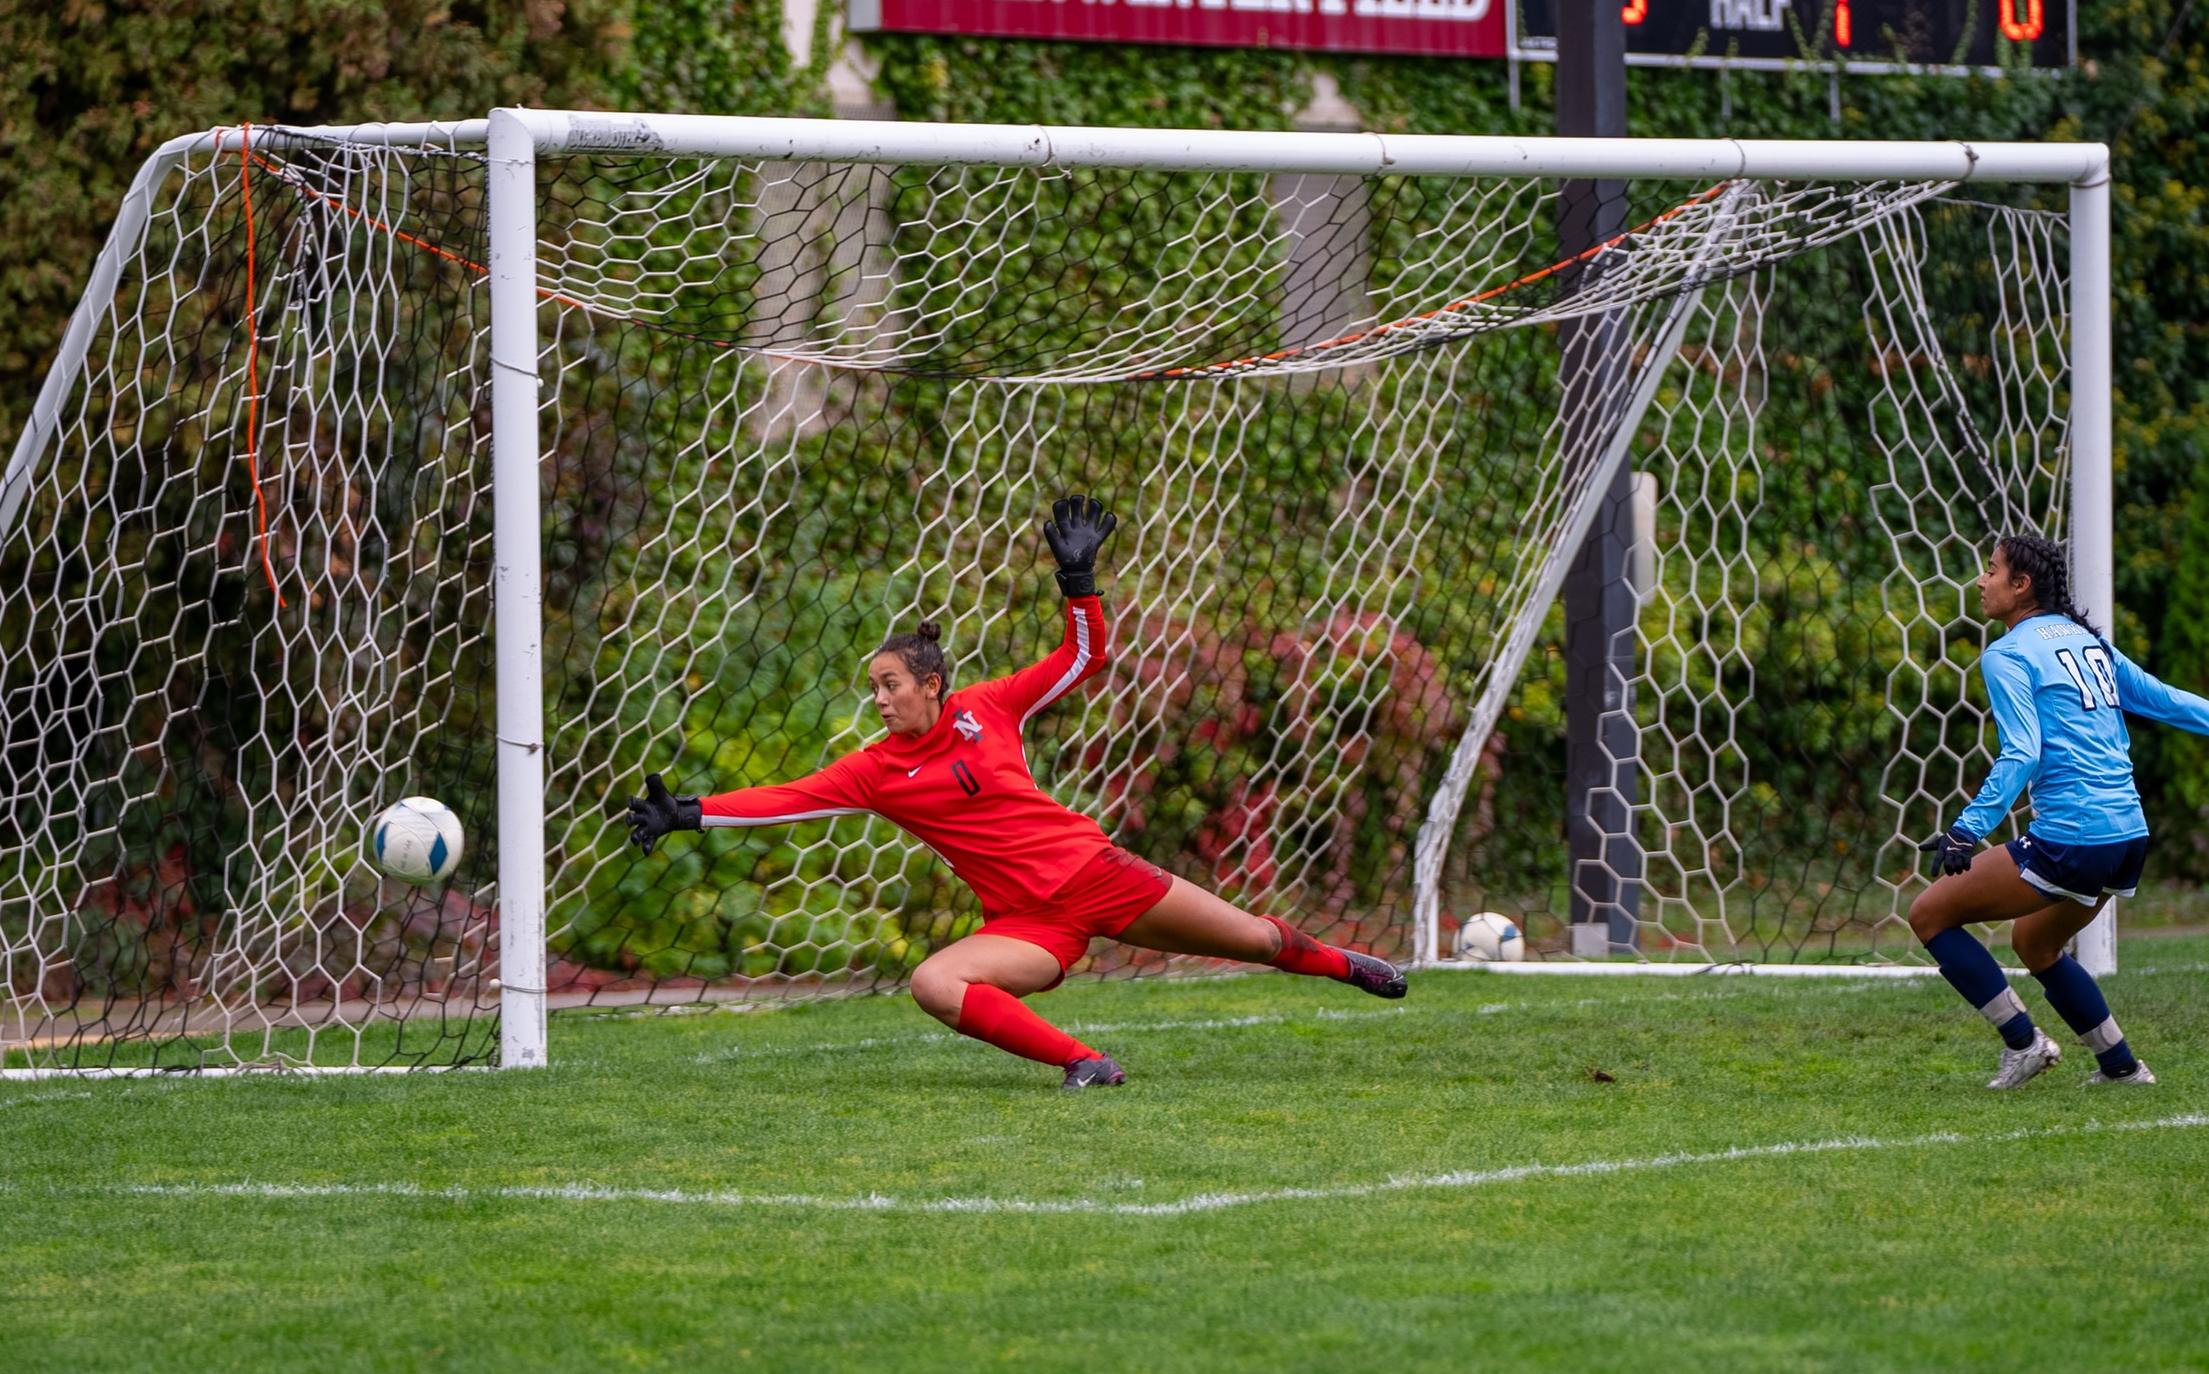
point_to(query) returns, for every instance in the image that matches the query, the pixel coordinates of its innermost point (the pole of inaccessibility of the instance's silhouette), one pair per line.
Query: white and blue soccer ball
(1490, 938)
(416, 840)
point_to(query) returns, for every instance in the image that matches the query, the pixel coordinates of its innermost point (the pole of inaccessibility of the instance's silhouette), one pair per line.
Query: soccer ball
(416, 840)
(1490, 937)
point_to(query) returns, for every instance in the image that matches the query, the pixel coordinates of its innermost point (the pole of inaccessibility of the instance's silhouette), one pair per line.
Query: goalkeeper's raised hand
(658, 812)
(1076, 530)
(1955, 846)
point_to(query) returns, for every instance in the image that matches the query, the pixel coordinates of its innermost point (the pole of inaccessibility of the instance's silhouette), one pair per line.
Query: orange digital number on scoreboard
(2013, 30)
(1940, 35)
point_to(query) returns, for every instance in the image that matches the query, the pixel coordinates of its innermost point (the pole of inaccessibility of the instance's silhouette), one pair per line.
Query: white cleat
(2139, 1078)
(2020, 1067)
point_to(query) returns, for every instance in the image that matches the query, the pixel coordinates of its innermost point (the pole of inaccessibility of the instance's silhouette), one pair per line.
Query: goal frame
(514, 140)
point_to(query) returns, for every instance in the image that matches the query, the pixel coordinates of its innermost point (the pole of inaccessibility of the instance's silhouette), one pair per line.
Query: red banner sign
(1430, 28)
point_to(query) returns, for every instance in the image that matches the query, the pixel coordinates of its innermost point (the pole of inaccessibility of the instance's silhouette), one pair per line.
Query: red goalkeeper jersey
(963, 788)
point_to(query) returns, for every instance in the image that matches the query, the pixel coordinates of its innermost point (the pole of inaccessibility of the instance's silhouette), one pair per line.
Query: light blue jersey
(2060, 696)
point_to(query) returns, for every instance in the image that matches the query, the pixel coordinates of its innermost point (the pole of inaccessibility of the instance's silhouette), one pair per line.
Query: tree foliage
(100, 85)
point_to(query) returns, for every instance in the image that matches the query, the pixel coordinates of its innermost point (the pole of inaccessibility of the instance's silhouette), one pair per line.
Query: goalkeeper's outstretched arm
(911, 701)
(1076, 530)
(837, 790)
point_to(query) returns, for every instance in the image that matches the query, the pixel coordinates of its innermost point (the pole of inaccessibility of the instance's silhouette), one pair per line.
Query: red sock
(996, 1016)
(1300, 953)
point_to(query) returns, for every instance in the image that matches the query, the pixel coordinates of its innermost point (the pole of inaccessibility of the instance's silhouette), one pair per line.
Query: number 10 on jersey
(2097, 663)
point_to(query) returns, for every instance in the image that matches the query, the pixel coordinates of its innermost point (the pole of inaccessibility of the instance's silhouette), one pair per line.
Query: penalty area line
(1193, 1204)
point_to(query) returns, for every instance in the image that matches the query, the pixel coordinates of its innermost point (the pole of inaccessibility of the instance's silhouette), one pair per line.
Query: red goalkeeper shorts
(1103, 898)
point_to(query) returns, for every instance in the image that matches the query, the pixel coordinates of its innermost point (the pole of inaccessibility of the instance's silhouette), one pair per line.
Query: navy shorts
(2082, 872)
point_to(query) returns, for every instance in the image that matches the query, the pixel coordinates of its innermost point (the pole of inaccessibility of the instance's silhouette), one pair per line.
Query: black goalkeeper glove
(1955, 846)
(657, 812)
(1076, 530)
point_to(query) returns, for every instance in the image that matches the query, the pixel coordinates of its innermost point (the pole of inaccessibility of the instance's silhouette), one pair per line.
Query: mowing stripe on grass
(911, 1038)
(1090, 1206)
(938, 1038)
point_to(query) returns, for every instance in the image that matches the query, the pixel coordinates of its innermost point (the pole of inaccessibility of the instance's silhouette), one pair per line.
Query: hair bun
(929, 630)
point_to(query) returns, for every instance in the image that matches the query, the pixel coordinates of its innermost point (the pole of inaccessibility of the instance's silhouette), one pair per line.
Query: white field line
(1093, 1206)
(36, 1098)
(1573, 968)
(1714, 993)
(1621, 997)
(592, 1015)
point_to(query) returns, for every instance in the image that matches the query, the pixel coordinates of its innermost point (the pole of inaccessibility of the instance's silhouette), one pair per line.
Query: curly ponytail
(922, 654)
(2043, 561)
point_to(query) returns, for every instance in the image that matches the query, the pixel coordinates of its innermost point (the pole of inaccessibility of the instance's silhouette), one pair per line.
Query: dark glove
(1955, 846)
(656, 813)
(1076, 530)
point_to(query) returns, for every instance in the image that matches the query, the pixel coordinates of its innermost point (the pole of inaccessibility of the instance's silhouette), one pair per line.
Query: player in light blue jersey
(2060, 692)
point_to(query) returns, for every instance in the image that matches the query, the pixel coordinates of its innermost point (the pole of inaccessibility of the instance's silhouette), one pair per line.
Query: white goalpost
(506, 460)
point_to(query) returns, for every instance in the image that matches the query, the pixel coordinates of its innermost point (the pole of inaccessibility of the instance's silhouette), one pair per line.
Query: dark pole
(1601, 743)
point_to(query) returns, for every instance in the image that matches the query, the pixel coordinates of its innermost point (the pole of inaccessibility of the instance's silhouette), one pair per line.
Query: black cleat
(1100, 1072)
(1377, 976)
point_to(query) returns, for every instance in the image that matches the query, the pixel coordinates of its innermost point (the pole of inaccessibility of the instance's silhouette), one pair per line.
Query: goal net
(1357, 423)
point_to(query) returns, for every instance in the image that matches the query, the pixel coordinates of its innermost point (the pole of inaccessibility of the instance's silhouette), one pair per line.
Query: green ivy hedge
(102, 84)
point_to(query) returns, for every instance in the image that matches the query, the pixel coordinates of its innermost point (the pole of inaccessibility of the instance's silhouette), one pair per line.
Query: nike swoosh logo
(912, 772)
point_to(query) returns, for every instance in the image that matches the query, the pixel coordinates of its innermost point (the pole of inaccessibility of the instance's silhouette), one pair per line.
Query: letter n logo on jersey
(968, 727)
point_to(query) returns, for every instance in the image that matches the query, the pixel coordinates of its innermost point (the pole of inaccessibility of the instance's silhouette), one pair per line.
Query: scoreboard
(1863, 35)
(1956, 35)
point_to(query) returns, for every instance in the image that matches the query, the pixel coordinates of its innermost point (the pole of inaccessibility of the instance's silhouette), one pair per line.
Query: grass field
(1497, 1173)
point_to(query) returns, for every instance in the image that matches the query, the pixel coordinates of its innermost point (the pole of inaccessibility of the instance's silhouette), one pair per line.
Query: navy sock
(2077, 998)
(1971, 971)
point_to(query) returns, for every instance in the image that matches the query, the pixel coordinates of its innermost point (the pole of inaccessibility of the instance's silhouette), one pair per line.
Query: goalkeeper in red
(953, 774)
